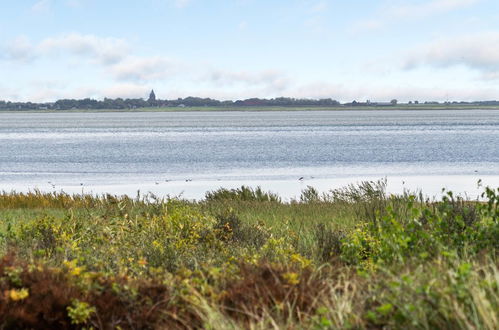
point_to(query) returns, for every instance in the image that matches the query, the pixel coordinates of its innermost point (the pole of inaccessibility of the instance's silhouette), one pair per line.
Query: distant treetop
(191, 101)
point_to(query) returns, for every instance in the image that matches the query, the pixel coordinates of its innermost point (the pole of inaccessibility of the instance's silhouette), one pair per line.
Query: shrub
(229, 228)
(451, 228)
(369, 197)
(242, 194)
(328, 242)
(272, 289)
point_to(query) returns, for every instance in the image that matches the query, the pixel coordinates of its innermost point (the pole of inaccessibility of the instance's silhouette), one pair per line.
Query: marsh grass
(355, 258)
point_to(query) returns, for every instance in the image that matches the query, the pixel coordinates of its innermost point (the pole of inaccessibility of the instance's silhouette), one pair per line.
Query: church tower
(152, 97)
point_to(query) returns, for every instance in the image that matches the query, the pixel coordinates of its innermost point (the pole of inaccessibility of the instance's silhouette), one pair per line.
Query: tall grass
(351, 258)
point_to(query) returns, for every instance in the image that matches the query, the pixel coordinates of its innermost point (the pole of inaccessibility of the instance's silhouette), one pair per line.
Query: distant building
(152, 97)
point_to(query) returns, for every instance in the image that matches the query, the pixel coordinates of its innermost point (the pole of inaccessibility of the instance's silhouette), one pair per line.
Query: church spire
(152, 96)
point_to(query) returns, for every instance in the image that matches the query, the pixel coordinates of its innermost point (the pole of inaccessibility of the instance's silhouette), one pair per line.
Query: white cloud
(46, 94)
(98, 49)
(181, 3)
(74, 3)
(478, 51)
(135, 68)
(321, 89)
(20, 49)
(341, 92)
(315, 15)
(490, 75)
(51, 93)
(377, 92)
(268, 78)
(410, 11)
(109, 54)
(319, 6)
(125, 91)
(42, 6)
(8, 93)
(104, 50)
(421, 10)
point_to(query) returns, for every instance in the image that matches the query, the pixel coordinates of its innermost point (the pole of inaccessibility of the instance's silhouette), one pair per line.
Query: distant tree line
(119, 103)
(190, 101)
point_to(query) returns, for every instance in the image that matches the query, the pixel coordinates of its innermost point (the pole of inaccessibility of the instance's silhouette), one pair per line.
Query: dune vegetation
(355, 258)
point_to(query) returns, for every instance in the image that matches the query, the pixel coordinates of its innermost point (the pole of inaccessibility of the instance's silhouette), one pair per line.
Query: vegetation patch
(355, 258)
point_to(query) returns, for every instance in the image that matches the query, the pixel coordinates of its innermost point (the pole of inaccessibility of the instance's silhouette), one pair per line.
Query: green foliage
(242, 194)
(352, 258)
(80, 312)
(329, 242)
(449, 227)
(491, 208)
(310, 195)
(229, 228)
(320, 320)
(448, 294)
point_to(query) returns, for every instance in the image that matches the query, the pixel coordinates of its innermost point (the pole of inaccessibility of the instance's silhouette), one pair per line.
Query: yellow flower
(302, 261)
(73, 269)
(76, 271)
(16, 295)
(291, 278)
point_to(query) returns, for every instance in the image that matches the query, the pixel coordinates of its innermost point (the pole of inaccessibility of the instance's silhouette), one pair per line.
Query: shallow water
(159, 151)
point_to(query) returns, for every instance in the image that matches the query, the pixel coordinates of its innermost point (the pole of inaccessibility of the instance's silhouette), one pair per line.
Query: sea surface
(188, 153)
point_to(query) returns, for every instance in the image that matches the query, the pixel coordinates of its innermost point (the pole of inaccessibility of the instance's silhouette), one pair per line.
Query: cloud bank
(478, 51)
(103, 50)
(403, 12)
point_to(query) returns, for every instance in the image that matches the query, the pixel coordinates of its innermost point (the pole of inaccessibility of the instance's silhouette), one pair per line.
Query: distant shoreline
(264, 109)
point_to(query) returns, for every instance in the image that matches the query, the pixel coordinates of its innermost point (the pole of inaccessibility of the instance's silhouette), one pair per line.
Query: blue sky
(233, 49)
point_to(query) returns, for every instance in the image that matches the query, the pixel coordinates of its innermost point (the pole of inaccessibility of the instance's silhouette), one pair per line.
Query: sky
(378, 50)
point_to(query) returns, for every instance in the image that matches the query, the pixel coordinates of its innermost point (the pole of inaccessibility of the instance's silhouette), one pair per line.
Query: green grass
(353, 258)
(276, 108)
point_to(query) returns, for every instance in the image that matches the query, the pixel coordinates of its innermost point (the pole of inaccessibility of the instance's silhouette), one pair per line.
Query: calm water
(124, 152)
